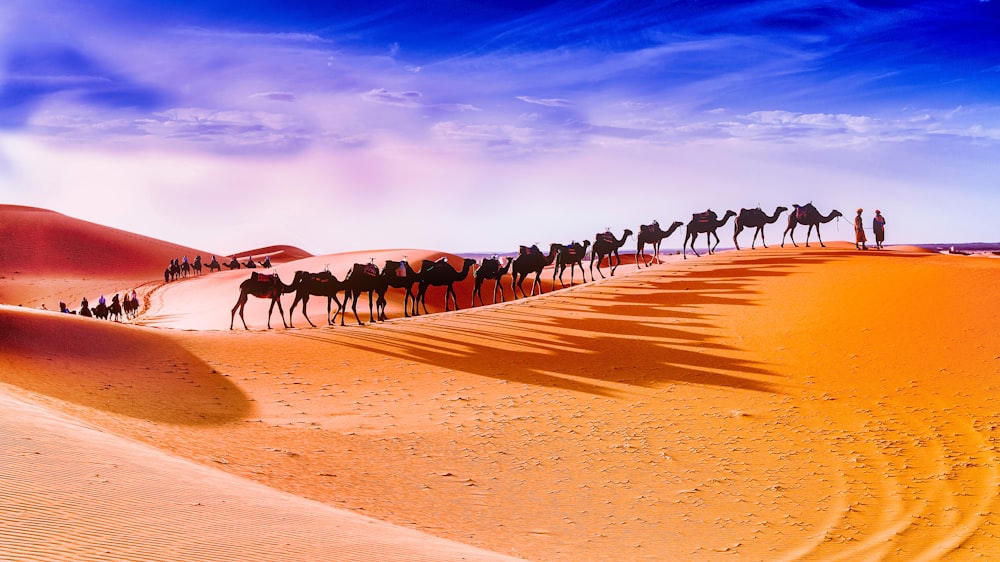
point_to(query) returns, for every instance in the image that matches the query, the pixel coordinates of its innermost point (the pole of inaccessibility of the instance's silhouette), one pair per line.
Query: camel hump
(803, 212)
(705, 216)
(606, 237)
(263, 277)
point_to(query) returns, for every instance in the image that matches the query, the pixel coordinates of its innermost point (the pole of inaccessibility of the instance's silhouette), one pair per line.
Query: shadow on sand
(648, 329)
(114, 368)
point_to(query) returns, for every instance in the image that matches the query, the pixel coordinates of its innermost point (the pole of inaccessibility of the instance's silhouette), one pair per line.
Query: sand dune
(779, 404)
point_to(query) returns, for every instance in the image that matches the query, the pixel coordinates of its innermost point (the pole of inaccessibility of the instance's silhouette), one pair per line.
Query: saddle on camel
(705, 217)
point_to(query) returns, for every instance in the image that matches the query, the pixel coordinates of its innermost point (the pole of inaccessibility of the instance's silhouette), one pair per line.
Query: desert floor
(769, 404)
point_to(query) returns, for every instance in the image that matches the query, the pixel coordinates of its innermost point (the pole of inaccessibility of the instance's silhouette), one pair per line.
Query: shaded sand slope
(42, 242)
(820, 404)
(69, 492)
(47, 257)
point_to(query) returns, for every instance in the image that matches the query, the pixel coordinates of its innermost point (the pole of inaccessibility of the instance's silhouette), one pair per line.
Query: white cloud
(548, 102)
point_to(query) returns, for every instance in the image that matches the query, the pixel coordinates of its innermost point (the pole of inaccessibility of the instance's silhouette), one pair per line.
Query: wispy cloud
(548, 102)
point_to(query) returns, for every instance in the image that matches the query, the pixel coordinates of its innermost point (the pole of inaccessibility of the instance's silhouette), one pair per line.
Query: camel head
(626, 234)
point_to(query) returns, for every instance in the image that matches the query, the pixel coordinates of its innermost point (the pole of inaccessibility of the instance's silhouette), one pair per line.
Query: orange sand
(778, 404)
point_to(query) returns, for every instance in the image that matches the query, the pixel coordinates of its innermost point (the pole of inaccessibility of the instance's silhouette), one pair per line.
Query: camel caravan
(529, 263)
(127, 308)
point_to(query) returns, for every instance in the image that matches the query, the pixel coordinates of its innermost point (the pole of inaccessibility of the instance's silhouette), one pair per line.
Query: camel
(531, 260)
(250, 264)
(442, 274)
(807, 214)
(234, 264)
(490, 269)
(399, 275)
(196, 266)
(85, 308)
(115, 309)
(707, 222)
(131, 308)
(214, 265)
(264, 287)
(571, 255)
(100, 311)
(605, 244)
(364, 278)
(755, 218)
(322, 284)
(652, 234)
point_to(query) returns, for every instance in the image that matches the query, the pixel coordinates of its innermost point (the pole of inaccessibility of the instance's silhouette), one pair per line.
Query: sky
(479, 126)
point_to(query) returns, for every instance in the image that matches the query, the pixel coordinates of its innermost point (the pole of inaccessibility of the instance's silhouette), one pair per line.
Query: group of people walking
(878, 229)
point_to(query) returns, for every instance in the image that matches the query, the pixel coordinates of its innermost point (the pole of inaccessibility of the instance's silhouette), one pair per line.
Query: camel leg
(242, 301)
(477, 290)
(821, 244)
(736, 233)
(371, 314)
(281, 311)
(640, 256)
(790, 231)
(808, 233)
(497, 286)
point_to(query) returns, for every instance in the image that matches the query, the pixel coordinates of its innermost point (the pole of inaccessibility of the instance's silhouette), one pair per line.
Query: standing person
(878, 227)
(859, 232)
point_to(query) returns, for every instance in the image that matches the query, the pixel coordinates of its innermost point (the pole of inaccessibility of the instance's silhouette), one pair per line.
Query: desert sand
(769, 404)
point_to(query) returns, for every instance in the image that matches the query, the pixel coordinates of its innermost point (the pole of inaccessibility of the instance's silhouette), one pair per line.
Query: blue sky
(463, 126)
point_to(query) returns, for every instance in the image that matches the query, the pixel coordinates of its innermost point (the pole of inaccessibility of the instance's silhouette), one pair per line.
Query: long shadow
(647, 329)
(115, 368)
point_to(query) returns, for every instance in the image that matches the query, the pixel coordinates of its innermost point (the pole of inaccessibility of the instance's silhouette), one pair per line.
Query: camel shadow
(648, 329)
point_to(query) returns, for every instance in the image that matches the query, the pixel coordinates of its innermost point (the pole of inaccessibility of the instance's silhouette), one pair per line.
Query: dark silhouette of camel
(441, 274)
(490, 269)
(707, 223)
(131, 308)
(196, 266)
(250, 264)
(531, 260)
(234, 264)
(115, 309)
(85, 308)
(754, 218)
(571, 255)
(322, 284)
(652, 234)
(263, 287)
(100, 311)
(605, 244)
(364, 278)
(808, 215)
(214, 265)
(399, 275)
